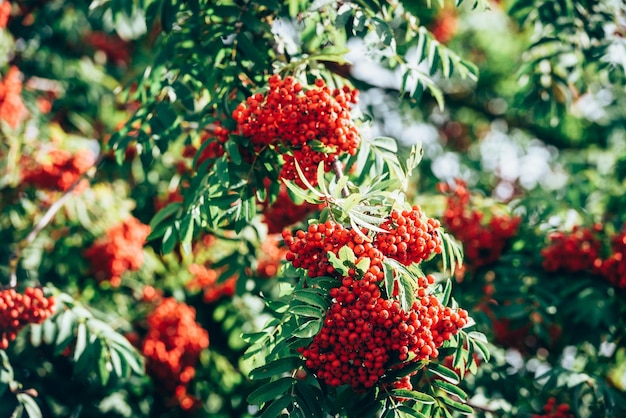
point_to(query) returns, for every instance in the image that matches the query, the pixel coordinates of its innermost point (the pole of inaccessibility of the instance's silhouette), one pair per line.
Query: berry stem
(339, 174)
(16, 254)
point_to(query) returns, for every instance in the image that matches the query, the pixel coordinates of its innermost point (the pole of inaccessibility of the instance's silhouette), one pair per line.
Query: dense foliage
(349, 209)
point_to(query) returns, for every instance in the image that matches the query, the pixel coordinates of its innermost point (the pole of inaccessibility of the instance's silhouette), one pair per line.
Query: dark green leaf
(414, 395)
(444, 372)
(270, 390)
(276, 367)
(450, 388)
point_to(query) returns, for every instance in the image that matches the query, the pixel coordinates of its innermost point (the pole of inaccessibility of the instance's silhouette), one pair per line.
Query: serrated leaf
(414, 395)
(364, 264)
(312, 297)
(305, 310)
(346, 255)
(308, 329)
(276, 367)
(444, 372)
(457, 406)
(270, 390)
(447, 291)
(389, 279)
(300, 193)
(30, 405)
(274, 409)
(451, 389)
(81, 341)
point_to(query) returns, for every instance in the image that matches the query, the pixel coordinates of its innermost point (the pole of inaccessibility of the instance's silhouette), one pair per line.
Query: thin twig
(15, 256)
(339, 174)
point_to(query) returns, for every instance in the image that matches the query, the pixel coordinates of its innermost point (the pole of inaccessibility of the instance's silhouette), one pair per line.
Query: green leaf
(457, 406)
(308, 329)
(65, 335)
(30, 405)
(305, 310)
(337, 263)
(389, 279)
(275, 408)
(346, 255)
(443, 372)
(414, 395)
(312, 297)
(161, 215)
(233, 151)
(447, 290)
(276, 367)
(450, 388)
(81, 341)
(270, 390)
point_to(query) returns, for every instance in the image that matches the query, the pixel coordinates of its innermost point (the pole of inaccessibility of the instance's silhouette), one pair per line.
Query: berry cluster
(12, 109)
(552, 410)
(59, 171)
(5, 13)
(20, 309)
(365, 335)
(270, 258)
(309, 249)
(614, 267)
(412, 237)
(483, 242)
(573, 252)
(205, 278)
(289, 117)
(216, 136)
(284, 212)
(172, 346)
(120, 250)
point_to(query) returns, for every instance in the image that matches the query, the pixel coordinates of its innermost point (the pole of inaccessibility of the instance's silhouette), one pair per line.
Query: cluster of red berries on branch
(285, 212)
(290, 117)
(5, 13)
(365, 335)
(205, 279)
(120, 250)
(216, 136)
(271, 257)
(172, 347)
(614, 267)
(552, 410)
(572, 252)
(20, 309)
(12, 109)
(309, 249)
(483, 242)
(410, 237)
(59, 169)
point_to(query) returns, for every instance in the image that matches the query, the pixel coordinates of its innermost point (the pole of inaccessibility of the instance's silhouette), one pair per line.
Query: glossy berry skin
(20, 309)
(412, 237)
(305, 124)
(365, 335)
(309, 249)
